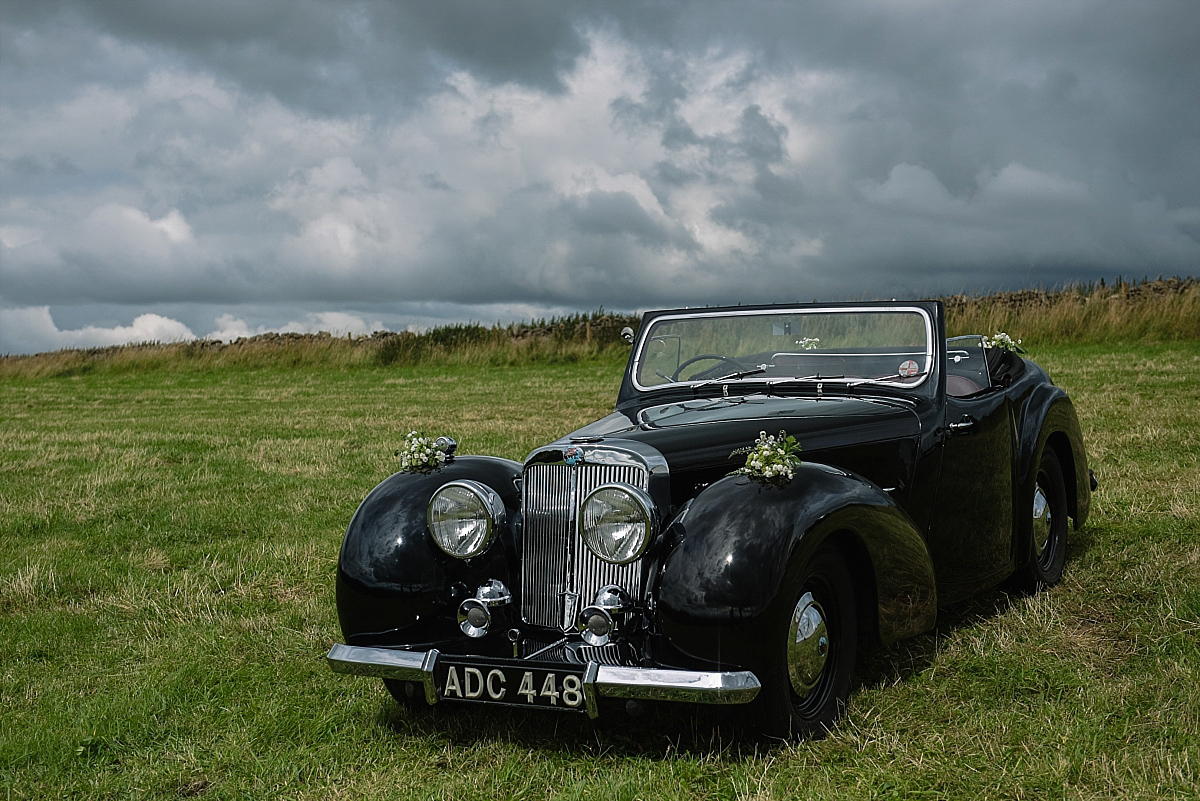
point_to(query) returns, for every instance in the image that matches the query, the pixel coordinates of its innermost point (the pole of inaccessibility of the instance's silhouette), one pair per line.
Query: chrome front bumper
(600, 681)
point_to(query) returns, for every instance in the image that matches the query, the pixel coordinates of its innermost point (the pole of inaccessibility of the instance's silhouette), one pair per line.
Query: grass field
(168, 541)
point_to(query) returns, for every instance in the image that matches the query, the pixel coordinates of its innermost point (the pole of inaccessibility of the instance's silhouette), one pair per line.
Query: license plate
(522, 685)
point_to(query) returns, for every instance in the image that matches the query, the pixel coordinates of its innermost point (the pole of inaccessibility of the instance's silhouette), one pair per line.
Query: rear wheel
(1048, 535)
(807, 680)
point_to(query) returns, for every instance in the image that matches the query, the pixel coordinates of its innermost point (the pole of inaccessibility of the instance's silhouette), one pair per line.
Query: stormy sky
(171, 169)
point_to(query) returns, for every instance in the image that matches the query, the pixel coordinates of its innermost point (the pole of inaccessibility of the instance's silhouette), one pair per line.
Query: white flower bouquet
(1003, 341)
(772, 458)
(420, 453)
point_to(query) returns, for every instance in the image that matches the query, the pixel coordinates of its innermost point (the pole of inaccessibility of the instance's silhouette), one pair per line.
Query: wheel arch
(741, 546)
(1061, 445)
(862, 573)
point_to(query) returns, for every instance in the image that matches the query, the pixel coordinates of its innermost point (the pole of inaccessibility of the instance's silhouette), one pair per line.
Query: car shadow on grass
(660, 731)
(900, 661)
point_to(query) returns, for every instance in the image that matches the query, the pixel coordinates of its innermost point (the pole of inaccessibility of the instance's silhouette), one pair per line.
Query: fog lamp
(475, 614)
(596, 625)
(474, 617)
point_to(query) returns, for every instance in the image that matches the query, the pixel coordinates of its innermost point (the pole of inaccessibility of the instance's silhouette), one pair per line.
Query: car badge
(573, 455)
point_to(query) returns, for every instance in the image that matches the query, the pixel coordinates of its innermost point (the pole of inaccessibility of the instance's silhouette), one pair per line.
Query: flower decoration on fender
(773, 458)
(421, 454)
(1004, 342)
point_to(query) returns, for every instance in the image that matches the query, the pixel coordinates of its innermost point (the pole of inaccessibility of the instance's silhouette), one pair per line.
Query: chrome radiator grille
(559, 575)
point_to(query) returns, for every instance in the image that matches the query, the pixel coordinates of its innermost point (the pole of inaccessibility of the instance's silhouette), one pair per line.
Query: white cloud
(915, 188)
(336, 323)
(230, 328)
(14, 236)
(1016, 183)
(32, 330)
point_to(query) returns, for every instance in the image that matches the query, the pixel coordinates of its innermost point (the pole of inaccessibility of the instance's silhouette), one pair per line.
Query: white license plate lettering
(501, 685)
(549, 691)
(527, 687)
(495, 685)
(572, 693)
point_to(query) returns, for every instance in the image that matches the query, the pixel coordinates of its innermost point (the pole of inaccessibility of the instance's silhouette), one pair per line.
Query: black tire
(409, 694)
(782, 711)
(1047, 548)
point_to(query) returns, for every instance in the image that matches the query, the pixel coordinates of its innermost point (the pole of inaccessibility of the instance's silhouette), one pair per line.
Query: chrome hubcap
(808, 645)
(1041, 523)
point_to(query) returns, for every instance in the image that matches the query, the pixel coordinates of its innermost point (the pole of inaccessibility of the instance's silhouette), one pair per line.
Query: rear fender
(741, 545)
(393, 583)
(1049, 420)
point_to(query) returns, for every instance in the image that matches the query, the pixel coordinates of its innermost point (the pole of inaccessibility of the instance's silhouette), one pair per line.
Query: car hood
(715, 433)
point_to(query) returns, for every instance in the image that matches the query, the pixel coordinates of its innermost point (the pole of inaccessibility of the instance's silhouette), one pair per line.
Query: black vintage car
(657, 553)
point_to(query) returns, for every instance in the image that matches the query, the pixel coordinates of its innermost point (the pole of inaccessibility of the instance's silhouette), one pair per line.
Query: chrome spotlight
(596, 623)
(475, 614)
(474, 618)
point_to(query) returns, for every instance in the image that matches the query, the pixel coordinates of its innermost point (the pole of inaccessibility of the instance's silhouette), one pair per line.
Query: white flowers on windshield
(420, 454)
(773, 458)
(1003, 341)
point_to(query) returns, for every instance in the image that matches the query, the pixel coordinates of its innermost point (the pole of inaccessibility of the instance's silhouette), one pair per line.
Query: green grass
(168, 541)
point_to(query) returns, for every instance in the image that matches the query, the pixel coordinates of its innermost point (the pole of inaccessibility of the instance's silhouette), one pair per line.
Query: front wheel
(807, 680)
(408, 694)
(1048, 536)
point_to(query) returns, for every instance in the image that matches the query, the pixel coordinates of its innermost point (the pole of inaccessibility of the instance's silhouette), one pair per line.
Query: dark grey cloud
(288, 160)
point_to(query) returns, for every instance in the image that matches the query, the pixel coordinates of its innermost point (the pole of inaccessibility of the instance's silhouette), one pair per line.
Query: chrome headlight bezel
(488, 510)
(637, 500)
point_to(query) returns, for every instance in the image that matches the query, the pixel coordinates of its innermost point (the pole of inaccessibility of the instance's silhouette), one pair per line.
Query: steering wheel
(702, 357)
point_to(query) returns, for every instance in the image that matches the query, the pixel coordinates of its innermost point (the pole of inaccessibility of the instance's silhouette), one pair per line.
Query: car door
(970, 531)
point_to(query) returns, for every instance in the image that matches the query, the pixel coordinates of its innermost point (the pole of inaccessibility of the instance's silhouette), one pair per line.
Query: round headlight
(463, 516)
(617, 522)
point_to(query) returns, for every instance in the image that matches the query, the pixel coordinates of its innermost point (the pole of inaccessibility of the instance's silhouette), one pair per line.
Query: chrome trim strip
(658, 684)
(614, 452)
(644, 334)
(664, 684)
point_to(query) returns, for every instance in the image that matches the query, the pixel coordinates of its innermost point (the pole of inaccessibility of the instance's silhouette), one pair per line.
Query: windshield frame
(926, 318)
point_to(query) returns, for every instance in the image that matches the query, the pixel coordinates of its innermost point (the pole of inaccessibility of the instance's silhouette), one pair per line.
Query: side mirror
(627, 334)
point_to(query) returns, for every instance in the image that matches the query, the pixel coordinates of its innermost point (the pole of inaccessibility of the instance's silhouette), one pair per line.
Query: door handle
(963, 426)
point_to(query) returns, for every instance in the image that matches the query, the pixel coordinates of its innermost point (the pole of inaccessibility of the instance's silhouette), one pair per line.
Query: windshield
(851, 345)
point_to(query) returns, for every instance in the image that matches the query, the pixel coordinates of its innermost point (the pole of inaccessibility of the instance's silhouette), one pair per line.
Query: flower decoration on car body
(1004, 342)
(422, 454)
(773, 458)
(808, 343)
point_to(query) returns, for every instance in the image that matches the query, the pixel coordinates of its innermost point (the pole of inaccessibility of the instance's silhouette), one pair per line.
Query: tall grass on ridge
(1151, 311)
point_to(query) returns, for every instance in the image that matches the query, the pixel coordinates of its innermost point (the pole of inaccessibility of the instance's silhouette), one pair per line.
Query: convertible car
(777, 488)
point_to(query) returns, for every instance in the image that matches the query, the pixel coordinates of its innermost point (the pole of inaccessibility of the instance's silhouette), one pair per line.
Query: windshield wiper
(886, 379)
(731, 377)
(803, 378)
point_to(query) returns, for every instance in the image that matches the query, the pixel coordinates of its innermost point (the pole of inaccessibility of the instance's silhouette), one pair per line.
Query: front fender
(742, 544)
(393, 583)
